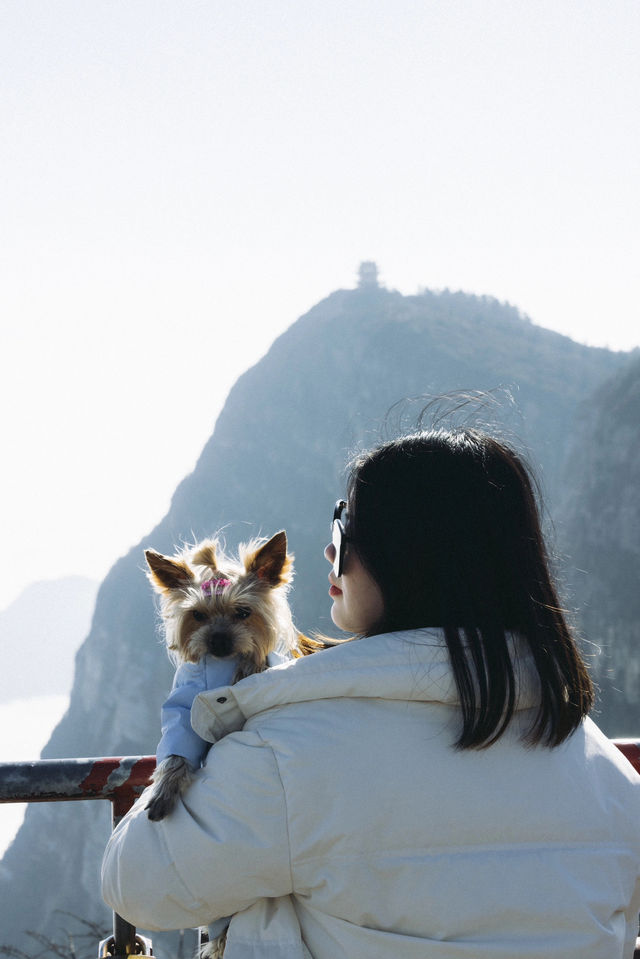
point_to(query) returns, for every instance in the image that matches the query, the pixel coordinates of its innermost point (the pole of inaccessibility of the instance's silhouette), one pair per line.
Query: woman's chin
(335, 616)
(339, 621)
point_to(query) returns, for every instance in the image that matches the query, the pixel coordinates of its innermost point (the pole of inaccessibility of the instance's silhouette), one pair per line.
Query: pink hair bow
(214, 586)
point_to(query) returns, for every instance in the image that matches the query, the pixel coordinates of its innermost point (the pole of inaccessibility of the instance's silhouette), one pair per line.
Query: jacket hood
(411, 665)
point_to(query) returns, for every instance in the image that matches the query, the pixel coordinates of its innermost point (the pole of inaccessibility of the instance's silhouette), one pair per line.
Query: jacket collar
(411, 665)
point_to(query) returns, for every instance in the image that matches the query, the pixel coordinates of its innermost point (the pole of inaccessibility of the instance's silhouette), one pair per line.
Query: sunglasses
(339, 538)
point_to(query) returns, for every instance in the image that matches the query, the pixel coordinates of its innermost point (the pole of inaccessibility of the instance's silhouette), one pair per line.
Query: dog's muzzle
(220, 643)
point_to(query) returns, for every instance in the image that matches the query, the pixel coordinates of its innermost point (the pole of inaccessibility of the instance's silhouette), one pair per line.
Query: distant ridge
(40, 633)
(275, 460)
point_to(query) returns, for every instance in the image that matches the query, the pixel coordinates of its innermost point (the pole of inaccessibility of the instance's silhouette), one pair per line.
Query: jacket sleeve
(178, 737)
(223, 847)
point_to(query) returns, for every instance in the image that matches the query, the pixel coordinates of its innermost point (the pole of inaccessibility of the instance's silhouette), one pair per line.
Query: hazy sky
(181, 180)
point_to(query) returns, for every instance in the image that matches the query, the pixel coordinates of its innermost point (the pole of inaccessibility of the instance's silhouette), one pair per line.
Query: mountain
(328, 386)
(48, 621)
(601, 539)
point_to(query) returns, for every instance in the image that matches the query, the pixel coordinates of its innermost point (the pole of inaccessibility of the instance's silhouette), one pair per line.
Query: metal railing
(631, 749)
(120, 781)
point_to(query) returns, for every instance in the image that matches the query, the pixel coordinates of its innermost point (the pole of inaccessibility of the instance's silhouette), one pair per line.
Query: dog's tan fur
(247, 618)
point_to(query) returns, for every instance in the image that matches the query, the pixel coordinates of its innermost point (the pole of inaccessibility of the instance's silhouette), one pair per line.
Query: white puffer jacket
(337, 821)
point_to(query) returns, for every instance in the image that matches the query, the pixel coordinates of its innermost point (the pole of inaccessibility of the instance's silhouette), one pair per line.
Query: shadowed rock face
(275, 460)
(601, 539)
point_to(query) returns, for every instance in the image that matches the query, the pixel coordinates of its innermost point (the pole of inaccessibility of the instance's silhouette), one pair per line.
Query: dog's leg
(170, 780)
(247, 667)
(214, 949)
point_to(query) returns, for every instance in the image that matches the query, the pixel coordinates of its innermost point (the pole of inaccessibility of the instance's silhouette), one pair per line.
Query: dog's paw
(170, 780)
(215, 949)
(158, 807)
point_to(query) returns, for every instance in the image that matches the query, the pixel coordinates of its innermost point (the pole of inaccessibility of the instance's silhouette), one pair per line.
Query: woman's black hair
(447, 524)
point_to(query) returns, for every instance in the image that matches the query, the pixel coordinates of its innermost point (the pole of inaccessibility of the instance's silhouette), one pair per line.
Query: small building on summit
(368, 275)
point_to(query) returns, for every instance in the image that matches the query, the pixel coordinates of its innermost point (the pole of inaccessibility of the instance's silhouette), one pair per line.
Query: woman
(434, 790)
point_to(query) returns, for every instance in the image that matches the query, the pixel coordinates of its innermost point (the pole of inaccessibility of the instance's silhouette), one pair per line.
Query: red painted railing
(631, 749)
(118, 780)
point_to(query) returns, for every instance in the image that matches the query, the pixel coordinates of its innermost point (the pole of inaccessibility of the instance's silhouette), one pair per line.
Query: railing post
(124, 934)
(120, 780)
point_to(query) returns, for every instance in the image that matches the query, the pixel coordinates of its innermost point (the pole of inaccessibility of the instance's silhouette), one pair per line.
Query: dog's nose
(220, 644)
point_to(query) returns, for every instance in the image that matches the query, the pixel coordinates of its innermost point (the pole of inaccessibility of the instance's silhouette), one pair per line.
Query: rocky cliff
(601, 538)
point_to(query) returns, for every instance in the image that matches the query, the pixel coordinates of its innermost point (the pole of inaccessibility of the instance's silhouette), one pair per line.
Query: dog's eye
(242, 612)
(198, 616)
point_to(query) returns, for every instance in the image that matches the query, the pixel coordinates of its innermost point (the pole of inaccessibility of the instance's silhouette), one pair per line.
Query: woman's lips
(334, 591)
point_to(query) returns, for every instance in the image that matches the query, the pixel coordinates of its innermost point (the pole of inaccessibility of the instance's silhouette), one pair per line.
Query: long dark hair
(446, 522)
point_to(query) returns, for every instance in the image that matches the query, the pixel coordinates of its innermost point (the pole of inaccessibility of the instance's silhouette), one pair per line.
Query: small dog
(212, 605)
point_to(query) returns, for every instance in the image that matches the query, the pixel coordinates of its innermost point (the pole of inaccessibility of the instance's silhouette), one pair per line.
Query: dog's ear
(167, 573)
(205, 555)
(271, 563)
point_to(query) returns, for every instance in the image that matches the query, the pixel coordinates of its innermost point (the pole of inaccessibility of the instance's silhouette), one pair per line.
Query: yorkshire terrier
(229, 609)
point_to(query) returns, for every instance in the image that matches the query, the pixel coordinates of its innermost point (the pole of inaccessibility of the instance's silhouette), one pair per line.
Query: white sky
(181, 180)
(25, 728)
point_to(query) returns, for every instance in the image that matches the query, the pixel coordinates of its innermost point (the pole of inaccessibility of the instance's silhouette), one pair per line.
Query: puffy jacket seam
(196, 901)
(462, 849)
(285, 803)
